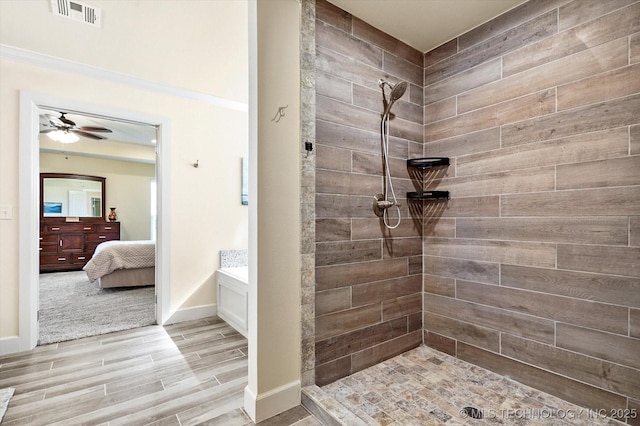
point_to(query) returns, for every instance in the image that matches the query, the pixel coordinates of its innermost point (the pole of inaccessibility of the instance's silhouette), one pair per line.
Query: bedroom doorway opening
(74, 303)
(41, 115)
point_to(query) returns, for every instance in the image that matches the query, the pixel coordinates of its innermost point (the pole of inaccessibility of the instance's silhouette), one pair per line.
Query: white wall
(196, 45)
(205, 51)
(274, 250)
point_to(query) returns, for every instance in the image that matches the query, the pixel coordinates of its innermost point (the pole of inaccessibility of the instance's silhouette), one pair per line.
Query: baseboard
(190, 314)
(9, 345)
(272, 403)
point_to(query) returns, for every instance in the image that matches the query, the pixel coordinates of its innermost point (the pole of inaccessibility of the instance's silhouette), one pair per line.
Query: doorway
(31, 105)
(74, 303)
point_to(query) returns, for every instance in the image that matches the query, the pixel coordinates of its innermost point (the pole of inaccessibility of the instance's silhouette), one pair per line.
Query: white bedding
(113, 255)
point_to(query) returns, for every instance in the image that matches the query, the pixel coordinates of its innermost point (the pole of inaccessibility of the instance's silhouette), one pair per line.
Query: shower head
(397, 90)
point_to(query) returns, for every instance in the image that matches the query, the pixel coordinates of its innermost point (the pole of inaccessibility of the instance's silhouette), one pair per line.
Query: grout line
(351, 297)
(352, 98)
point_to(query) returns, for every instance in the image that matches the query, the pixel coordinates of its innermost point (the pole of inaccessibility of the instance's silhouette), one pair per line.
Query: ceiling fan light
(63, 137)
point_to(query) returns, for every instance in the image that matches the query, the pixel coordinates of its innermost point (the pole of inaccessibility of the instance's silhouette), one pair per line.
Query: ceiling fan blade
(86, 134)
(48, 130)
(94, 129)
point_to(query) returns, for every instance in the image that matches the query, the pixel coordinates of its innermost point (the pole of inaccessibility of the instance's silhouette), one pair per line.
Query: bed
(123, 264)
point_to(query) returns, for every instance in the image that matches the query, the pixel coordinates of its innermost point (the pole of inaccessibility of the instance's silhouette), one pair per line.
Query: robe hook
(279, 114)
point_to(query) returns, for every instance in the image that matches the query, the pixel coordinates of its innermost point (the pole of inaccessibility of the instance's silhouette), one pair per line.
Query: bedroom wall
(127, 188)
(201, 128)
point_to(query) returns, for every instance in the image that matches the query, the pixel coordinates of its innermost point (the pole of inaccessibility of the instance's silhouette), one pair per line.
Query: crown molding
(46, 61)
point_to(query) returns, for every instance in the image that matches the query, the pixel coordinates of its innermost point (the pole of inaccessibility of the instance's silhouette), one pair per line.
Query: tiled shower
(532, 267)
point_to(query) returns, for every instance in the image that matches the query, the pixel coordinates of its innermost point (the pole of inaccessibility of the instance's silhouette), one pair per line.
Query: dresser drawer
(48, 248)
(80, 258)
(49, 239)
(104, 228)
(100, 237)
(55, 259)
(71, 227)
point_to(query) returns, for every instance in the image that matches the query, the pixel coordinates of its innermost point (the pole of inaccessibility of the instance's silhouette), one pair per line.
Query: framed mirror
(71, 195)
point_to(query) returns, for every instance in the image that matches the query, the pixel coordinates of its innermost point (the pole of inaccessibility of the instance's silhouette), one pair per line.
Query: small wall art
(244, 193)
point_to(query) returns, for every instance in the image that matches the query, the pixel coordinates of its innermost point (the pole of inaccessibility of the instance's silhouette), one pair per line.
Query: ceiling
(426, 24)
(121, 131)
(127, 141)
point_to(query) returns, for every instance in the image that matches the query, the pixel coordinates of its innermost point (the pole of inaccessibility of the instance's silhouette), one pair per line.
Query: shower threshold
(427, 387)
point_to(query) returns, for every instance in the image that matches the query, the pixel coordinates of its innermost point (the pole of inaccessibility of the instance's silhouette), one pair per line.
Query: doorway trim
(28, 186)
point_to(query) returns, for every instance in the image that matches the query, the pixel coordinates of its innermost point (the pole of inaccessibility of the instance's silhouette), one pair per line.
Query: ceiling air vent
(77, 11)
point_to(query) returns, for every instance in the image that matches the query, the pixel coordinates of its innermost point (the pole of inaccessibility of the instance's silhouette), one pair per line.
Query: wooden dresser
(68, 246)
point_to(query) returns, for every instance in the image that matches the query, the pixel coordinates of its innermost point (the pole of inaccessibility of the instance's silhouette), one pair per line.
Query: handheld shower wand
(382, 203)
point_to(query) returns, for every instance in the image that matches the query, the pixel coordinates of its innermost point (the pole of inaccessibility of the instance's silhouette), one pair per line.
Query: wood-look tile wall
(368, 280)
(532, 269)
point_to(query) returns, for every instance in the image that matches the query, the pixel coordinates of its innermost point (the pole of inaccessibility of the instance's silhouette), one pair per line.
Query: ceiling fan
(66, 131)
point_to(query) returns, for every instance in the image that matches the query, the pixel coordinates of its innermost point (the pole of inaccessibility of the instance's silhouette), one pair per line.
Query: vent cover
(77, 11)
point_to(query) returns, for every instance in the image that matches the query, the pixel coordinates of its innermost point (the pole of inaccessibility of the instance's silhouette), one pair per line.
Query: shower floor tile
(426, 387)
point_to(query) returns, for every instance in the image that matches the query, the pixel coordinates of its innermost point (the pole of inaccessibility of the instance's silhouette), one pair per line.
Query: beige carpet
(72, 307)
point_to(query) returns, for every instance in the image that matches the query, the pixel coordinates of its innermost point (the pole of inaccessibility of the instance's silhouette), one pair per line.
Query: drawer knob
(102, 237)
(62, 259)
(81, 258)
(55, 228)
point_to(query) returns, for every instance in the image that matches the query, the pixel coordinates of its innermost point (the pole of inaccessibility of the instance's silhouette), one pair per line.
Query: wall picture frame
(244, 191)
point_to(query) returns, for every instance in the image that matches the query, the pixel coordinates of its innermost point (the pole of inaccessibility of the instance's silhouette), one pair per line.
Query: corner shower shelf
(428, 162)
(428, 195)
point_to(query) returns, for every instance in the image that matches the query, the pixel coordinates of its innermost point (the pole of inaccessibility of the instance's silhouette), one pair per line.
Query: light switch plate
(6, 211)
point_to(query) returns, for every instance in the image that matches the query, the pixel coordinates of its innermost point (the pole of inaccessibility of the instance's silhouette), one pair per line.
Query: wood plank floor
(189, 373)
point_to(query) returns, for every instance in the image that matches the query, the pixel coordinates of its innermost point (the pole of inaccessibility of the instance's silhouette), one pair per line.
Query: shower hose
(388, 185)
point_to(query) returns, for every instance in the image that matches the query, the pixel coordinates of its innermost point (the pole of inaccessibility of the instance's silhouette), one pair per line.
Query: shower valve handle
(385, 204)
